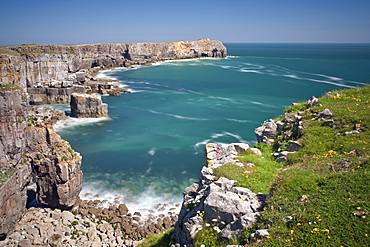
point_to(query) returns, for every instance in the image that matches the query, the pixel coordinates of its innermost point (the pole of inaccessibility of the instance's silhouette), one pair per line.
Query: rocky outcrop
(32, 155)
(55, 168)
(88, 106)
(266, 132)
(217, 203)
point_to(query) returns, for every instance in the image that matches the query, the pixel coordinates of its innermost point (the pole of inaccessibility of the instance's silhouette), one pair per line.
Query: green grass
(208, 237)
(9, 87)
(8, 52)
(158, 240)
(4, 176)
(258, 178)
(332, 170)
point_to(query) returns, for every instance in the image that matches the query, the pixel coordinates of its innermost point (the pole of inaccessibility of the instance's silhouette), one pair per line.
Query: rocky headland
(39, 168)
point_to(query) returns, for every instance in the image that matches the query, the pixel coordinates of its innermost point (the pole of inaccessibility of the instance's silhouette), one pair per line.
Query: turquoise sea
(153, 145)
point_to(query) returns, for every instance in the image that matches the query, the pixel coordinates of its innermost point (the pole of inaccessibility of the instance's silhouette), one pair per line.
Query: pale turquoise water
(156, 135)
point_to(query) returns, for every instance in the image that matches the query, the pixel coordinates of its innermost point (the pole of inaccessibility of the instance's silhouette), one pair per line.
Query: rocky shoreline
(87, 224)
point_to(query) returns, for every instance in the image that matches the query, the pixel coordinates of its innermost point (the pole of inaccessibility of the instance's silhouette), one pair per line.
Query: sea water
(152, 145)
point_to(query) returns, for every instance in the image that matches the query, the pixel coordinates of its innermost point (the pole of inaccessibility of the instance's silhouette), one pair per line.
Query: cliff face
(35, 64)
(13, 123)
(31, 155)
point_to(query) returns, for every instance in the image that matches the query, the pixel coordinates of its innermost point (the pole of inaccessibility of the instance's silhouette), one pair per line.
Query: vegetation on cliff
(9, 87)
(322, 193)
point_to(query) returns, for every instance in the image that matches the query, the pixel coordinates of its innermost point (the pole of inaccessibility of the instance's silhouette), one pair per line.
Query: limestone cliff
(31, 155)
(30, 66)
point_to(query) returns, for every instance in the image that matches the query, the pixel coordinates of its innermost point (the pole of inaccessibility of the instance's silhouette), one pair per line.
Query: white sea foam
(178, 116)
(225, 133)
(251, 71)
(152, 151)
(332, 83)
(72, 122)
(262, 104)
(148, 203)
(238, 120)
(198, 145)
(293, 76)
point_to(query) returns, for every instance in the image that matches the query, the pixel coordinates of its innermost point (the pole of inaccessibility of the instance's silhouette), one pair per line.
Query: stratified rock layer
(31, 66)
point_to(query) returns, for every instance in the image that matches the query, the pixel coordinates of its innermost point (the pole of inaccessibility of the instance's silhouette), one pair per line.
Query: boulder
(293, 146)
(311, 102)
(80, 76)
(324, 114)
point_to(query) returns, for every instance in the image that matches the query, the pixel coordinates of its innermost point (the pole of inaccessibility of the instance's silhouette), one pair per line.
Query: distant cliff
(32, 65)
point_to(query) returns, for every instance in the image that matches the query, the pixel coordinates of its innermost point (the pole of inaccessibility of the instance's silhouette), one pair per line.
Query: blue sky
(122, 21)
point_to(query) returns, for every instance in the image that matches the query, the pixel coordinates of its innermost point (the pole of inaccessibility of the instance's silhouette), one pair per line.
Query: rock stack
(88, 106)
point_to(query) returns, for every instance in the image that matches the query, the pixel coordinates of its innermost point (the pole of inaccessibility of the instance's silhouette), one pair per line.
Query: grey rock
(88, 106)
(240, 147)
(352, 132)
(256, 151)
(266, 132)
(288, 218)
(262, 233)
(324, 114)
(224, 183)
(80, 76)
(293, 146)
(311, 102)
(67, 217)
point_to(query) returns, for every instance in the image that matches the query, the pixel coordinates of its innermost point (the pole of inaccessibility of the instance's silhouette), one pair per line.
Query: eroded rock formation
(88, 106)
(32, 155)
(217, 203)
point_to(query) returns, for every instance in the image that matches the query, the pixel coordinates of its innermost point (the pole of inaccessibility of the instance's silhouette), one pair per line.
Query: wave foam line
(226, 133)
(238, 120)
(197, 146)
(72, 122)
(178, 116)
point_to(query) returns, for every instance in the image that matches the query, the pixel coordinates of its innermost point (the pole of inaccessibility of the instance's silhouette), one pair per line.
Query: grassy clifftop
(321, 196)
